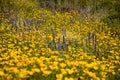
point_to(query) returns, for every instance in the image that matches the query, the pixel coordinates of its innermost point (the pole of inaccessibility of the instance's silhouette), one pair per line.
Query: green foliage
(110, 8)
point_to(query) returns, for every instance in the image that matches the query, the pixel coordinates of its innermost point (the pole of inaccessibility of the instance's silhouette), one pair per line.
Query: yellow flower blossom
(70, 71)
(35, 70)
(2, 73)
(46, 73)
(62, 65)
(59, 76)
(63, 71)
(66, 78)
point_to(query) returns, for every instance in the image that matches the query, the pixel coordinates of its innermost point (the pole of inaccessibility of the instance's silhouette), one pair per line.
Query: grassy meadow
(58, 46)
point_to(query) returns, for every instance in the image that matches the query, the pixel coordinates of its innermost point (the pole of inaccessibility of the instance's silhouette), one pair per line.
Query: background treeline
(102, 10)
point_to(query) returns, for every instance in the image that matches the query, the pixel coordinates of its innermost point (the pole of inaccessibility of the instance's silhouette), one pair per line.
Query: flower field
(58, 46)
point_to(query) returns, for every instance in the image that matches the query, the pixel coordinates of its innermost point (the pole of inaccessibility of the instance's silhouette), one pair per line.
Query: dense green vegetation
(91, 6)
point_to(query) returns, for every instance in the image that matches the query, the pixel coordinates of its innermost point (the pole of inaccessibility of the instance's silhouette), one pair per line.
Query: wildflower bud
(31, 23)
(94, 40)
(29, 28)
(23, 35)
(64, 43)
(11, 21)
(27, 21)
(58, 44)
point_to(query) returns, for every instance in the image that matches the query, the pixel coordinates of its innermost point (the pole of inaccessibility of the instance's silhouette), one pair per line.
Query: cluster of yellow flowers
(26, 54)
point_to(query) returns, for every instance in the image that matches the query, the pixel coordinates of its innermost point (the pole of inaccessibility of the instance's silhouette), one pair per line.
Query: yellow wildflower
(46, 73)
(59, 76)
(66, 78)
(62, 65)
(63, 71)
